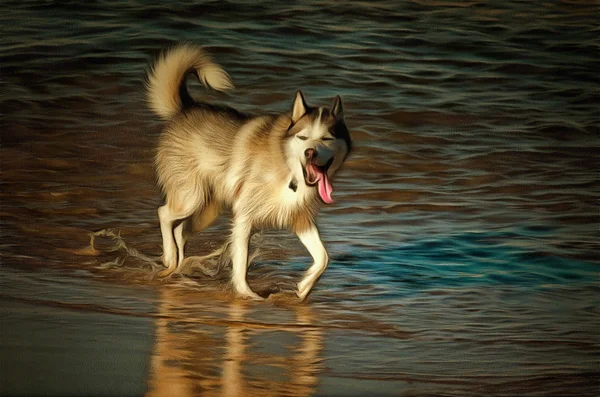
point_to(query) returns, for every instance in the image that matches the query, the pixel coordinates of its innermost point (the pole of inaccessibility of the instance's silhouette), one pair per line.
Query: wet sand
(176, 341)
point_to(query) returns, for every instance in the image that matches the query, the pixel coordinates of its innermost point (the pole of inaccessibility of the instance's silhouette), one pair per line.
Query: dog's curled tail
(166, 89)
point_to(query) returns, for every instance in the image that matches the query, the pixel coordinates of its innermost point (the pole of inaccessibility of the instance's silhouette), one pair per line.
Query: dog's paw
(253, 297)
(248, 294)
(301, 296)
(303, 291)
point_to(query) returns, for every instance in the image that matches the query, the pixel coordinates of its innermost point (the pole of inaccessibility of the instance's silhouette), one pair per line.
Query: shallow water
(463, 242)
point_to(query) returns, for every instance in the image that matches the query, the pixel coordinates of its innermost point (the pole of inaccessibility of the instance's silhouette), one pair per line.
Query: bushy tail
(166, 89)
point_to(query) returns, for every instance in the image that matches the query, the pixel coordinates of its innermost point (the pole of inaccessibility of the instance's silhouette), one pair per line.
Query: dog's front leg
(312, 241)
(240, 239)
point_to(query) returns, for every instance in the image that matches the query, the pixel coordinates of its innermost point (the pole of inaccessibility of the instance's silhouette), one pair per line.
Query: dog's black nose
(310, 153)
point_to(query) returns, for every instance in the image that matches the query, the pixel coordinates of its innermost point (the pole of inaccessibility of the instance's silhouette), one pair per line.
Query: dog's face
(318, 143)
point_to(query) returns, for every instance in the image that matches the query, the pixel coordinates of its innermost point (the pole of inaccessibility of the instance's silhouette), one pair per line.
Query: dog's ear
(336, 108)
(299, 108)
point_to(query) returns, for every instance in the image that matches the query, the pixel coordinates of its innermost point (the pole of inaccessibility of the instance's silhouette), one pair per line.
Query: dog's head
(318, 143)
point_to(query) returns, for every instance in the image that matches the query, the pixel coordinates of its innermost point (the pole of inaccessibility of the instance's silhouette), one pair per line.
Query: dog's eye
(302, 137)
(326, 138)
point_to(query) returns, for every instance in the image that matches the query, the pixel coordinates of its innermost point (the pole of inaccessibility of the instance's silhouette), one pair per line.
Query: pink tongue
(325, 188)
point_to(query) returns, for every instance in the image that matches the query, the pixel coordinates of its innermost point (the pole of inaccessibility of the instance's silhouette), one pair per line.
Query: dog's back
(194, 151)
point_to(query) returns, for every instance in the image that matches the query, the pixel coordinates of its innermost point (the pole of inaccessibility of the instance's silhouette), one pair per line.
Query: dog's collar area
(293, 185)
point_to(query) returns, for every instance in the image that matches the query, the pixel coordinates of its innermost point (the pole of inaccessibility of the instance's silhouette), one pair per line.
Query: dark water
(464, 240)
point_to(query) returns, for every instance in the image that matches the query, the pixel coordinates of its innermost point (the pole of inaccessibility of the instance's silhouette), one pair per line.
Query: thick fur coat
(272, 171)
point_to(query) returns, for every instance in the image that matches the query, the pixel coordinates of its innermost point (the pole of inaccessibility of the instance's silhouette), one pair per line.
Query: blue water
(461, 263)
(464, 240)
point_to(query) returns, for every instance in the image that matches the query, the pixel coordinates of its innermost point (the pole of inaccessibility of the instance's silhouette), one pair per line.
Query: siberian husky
(271, 171)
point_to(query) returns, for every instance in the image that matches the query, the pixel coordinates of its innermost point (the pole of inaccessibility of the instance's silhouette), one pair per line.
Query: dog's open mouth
(317, 175)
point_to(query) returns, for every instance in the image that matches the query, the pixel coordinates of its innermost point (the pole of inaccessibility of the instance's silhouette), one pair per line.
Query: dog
(272, 171)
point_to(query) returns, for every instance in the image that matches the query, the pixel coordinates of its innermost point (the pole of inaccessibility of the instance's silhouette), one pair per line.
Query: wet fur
(213, 157)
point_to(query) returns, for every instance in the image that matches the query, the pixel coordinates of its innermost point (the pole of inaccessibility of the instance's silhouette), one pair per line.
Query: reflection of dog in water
(272, 171)
(228, 352)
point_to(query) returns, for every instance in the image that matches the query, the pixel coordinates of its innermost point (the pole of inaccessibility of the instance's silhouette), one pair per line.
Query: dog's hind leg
(312, 241)
(168, 214)
(199, 221)
(180, 234)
